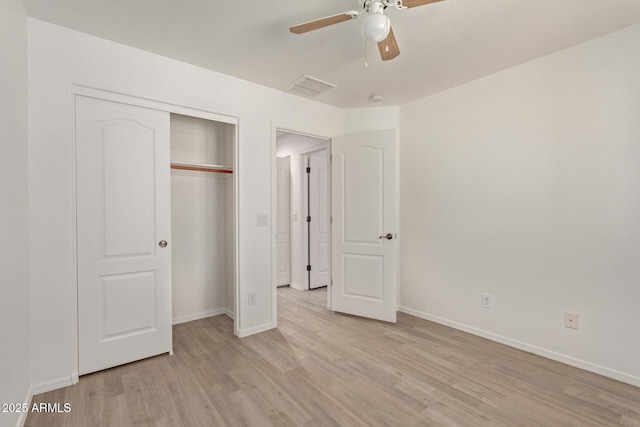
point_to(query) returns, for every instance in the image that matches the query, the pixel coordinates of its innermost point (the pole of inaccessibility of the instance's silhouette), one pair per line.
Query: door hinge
(308, 268)
(308, 218)
(308, 169)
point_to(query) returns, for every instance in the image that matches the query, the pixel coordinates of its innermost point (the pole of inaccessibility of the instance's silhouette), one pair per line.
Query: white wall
(60, 57)
(371, 119)
(293, 145)
(526, 185)
(199, 245)
(15, 377)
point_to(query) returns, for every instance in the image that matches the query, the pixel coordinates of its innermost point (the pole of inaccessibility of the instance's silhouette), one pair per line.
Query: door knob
(163, 243)
(387, 236)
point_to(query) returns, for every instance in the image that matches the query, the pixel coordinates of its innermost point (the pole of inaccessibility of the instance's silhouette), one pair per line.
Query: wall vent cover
(309, 87)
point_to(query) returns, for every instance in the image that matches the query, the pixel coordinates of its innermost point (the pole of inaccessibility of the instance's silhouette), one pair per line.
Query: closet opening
(202, 218)
(143, 167)
(302, 211)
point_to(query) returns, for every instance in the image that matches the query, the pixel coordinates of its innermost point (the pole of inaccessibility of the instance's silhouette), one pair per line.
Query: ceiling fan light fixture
(375, 27)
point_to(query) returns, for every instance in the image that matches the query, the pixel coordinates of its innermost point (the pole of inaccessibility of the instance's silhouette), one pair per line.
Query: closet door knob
(163, 243)
(387, 236)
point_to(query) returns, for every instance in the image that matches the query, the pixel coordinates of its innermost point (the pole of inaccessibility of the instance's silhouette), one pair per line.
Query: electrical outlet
(571, 320)
(487, 302)
(252, 298)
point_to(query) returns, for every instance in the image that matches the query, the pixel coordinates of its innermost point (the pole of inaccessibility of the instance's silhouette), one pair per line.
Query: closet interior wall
(201, 219)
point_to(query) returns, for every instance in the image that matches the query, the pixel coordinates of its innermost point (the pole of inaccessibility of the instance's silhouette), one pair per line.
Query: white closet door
(319, 225)
(283, 226)
(123, 218)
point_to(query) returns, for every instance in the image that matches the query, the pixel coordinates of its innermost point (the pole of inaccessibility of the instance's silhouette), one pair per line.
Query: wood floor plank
(327, 369)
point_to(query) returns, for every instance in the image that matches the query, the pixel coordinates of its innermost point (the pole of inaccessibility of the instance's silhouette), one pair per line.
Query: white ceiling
(442, 45)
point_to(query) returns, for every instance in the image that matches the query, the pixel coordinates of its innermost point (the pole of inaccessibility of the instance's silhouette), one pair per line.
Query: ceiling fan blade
(324, 22)
(389, 47)
(414, 3)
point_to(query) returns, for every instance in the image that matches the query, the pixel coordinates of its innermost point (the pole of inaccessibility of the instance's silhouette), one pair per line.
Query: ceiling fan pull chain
(365, 55)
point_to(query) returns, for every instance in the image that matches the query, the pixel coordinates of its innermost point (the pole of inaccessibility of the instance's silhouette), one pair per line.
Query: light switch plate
(262, 220)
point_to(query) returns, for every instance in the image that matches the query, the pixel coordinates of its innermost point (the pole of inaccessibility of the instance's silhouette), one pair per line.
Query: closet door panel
(319, 225)
(123, 214)
(128, 184)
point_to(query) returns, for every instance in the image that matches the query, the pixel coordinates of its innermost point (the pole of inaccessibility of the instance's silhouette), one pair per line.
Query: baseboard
(198, 316)
(558, 357)
(297, 287)
(255, 330)
(229, 314)
(23, 415)
(54, 384)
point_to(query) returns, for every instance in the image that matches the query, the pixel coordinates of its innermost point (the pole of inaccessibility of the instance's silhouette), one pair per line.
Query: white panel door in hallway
(318, 212)
(124, 226)
(364, 225)
(283, 218)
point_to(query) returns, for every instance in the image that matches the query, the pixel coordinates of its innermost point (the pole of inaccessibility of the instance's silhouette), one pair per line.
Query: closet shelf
(202, 167)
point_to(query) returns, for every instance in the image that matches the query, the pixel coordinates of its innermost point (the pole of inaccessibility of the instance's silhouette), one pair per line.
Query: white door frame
(298, 130)
(305, 236)
(170, 108)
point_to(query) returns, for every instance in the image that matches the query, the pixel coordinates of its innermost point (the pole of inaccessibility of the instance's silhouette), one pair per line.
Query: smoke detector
(376, 97)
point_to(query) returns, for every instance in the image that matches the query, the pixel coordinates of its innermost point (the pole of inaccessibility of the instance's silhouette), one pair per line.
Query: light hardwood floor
(326, 369)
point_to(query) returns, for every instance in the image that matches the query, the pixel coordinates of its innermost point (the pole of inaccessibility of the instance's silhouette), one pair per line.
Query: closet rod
(200, 169)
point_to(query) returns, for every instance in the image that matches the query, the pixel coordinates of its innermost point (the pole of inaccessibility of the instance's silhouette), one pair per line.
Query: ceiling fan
(375, 26)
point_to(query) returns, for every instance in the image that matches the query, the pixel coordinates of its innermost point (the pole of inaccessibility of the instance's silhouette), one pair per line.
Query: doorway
(363, 203)
(302, 215)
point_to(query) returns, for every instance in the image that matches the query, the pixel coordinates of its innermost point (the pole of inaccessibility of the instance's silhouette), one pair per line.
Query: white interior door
(123, 218)
(364, 215)
(319, 224)
(283, 226)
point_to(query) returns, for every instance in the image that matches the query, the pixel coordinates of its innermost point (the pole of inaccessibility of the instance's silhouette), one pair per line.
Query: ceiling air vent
(309, 87)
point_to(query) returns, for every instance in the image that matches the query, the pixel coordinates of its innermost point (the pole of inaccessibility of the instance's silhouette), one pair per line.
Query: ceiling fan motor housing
(384, 3)
(376, 25)
(374, 6)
